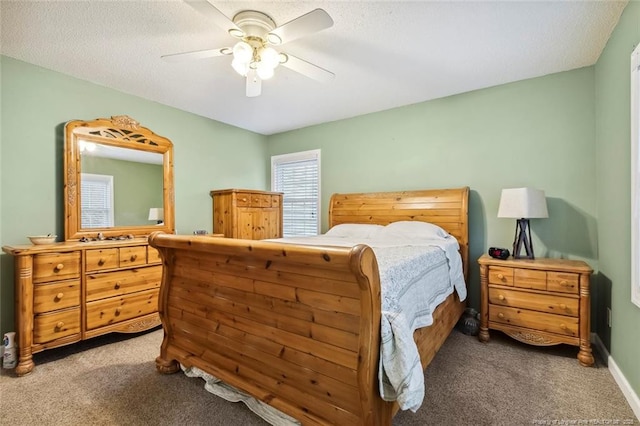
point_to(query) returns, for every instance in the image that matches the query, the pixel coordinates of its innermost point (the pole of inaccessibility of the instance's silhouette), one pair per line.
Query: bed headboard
(447, 208)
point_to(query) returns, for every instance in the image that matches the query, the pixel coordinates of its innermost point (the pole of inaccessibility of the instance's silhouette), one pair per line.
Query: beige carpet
(111, 380)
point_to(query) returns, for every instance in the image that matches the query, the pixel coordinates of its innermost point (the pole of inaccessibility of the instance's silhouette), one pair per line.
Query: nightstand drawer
(501, 276)
(563, 282)
(550, 323)
(529, 278)
(534, 301)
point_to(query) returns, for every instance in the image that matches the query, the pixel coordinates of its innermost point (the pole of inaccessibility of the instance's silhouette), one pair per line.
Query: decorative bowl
(43, 239)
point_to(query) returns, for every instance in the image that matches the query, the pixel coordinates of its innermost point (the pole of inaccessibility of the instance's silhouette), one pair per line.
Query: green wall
(613, 165)
(537, 132)
(35, 103)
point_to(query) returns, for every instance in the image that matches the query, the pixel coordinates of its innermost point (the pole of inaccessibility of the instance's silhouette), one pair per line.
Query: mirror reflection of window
(97, 200)
(137, 181)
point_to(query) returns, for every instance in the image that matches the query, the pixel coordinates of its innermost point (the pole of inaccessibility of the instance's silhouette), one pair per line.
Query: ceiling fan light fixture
(264, 71)
(269, 57)
(242, 51)
(241, 67)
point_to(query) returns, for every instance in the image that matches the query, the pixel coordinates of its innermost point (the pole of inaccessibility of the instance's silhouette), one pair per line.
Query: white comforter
(416, 275)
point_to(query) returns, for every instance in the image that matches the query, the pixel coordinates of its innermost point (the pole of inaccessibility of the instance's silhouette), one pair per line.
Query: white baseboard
(623, 384)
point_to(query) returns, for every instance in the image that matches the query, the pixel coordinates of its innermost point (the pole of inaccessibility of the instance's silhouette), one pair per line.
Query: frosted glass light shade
(242, 51)
(518, 203)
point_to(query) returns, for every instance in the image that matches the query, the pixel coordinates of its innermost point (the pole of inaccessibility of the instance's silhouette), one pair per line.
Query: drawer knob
(501, 315)
(59, 325)
(59, 267)
(133, 257)
(565, 283)
(243, 199)
(563, 306)
(563, 326)
(101, 261)
(118, 310)
(501, 297)
(501, 276)
(59, 296)
(117, 286)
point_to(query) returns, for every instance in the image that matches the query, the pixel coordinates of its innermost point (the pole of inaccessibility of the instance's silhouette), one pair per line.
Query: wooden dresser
(71, 291)
(540, 302)
(247, 214)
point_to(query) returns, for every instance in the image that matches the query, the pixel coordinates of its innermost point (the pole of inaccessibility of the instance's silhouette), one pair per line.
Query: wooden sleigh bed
(298, 327)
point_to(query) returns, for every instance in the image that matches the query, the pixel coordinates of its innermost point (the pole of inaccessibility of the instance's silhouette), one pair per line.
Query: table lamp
(523, 204)
(157, 214)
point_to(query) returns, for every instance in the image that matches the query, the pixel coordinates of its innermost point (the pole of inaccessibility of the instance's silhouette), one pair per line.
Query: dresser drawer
(550, 323)
(260, 200)
(133, 256)
(530, 278)
(501, 276)
(534, 301)
(153, 255)
(54, 296)
(117, 309)
(117, 283)
(243, 199)
(275, 201)
(100, 259)
(56, 266)
(52, 326)
(563, 282)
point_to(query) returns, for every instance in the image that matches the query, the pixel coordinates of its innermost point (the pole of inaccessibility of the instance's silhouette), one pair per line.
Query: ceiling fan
(253, 55)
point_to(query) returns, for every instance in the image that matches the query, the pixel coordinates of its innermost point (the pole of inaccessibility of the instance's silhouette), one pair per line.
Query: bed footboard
(294, 326)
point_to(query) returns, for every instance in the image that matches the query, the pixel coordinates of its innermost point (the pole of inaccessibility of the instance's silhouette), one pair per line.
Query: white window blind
(97, 200)
(297, 175)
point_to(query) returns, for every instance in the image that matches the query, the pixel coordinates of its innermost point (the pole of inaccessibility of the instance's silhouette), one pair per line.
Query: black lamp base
(523, 238)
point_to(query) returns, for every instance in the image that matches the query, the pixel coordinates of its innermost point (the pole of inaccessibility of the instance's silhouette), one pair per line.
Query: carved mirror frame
(123, 132)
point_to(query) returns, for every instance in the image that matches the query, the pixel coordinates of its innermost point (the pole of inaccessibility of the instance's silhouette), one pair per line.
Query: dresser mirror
(118, 180)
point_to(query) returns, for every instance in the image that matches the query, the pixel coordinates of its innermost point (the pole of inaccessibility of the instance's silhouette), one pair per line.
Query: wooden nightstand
(541, 302)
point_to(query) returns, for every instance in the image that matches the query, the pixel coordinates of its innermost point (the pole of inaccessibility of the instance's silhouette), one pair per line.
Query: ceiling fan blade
(306, 68)
(254, 84)
(309, 23)
(218, 18)
(197, 54)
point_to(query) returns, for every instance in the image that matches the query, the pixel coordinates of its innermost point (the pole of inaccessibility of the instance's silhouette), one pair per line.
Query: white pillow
(354, 230)
(414, 229)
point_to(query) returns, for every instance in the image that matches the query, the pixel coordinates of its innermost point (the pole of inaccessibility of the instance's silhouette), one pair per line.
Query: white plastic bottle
(9, 357)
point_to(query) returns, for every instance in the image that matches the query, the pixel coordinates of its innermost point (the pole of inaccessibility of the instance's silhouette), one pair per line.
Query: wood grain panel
(58, 295)
(56, 266)
(56, 325)
(534, 301)
(297, 326)
(118, 283)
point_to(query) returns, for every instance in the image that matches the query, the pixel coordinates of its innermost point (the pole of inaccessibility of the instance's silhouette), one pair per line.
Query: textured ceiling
(384, 54)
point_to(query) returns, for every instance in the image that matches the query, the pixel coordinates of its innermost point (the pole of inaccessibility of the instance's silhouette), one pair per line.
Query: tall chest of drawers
(71, 291)
(247, 214)
(541, 302)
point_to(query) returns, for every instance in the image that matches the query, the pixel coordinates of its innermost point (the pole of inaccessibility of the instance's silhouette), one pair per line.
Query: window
(635, 176)
(97, 200)
(297, 175)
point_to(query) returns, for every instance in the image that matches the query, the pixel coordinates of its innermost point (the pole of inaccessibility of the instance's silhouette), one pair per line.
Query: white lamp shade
(523, 203)
(156, 213)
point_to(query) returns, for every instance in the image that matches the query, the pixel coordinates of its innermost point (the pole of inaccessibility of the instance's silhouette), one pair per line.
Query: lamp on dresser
(157, 214)
(523, 204)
